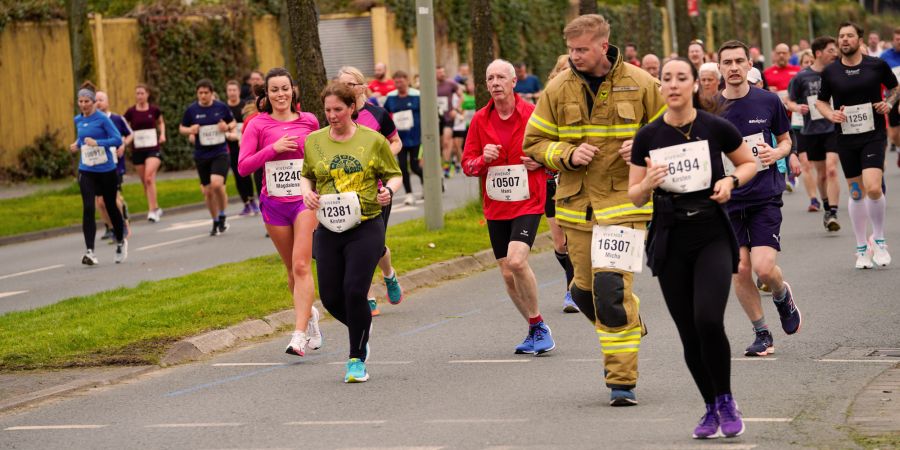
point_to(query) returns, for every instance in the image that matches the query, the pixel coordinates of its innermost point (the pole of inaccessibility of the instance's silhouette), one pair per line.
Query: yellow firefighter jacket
(628, 98)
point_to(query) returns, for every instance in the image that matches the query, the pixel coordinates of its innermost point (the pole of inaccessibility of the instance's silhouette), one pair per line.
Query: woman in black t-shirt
(678, 159)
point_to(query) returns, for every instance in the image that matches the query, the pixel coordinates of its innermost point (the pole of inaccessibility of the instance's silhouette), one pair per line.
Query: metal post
(766, 31)
(434, 209)
(673, 32)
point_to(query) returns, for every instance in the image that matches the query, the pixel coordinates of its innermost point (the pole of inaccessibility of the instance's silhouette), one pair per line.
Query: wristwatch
(737, 181)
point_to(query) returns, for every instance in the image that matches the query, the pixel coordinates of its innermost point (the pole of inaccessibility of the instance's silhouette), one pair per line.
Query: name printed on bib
(93, 155)
(443, 104)
(403, 120)
(145, 138)
(617, 247)
(211, 135)
(339, 212)
(507, 183)
(860, 119)
(814, 113)
(283, 177)
(797, 120)
(688, 167)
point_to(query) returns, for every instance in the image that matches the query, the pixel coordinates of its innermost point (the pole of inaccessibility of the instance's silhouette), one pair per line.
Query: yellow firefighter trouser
(616, 309)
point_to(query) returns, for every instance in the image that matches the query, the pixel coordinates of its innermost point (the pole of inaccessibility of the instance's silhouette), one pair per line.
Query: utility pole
(766, 31)
(434, 208)
(670, 7)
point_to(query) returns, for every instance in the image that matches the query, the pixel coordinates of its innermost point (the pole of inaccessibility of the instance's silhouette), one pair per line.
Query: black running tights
(408, 158)
(344, 266)
(695, 281)
(94, 184)
(244, 184)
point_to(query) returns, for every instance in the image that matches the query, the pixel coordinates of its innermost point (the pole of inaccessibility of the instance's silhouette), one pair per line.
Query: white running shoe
(89, 259)
(152, 216)
(863, 258)
(121, 251)
(298, 344)
(409, 200)
(313, 332)
(880, 255)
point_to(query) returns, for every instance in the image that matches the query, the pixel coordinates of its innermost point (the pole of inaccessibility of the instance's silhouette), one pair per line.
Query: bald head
(650, 63)
(782, 55)
(102, 101)
(380, 71)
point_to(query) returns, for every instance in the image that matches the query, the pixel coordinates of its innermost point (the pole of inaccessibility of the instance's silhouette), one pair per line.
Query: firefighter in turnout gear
(582, 126)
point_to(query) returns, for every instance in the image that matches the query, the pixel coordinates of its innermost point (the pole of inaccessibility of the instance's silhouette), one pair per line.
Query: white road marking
(250, 364)
(11, 293)
(375, 363)
(392, 448)
(768, 419)
(469, 421)
(403, 208)
(55, 427)
(710, 446)
(587, 360)
(488, 361)
(188, 224)
(194, 425)
(860, 360)
(176, 241)
(27, 272)
(338, 422)
(755, 359)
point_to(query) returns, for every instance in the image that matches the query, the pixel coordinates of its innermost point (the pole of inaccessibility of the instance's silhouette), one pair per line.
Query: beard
(851, 51)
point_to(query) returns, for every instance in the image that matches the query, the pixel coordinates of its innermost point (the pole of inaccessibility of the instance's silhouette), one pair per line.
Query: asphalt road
(40, 273)
(443, 373)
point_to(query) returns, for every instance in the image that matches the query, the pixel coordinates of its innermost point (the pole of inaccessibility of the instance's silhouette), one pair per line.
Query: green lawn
(134, 325)
(58, 208)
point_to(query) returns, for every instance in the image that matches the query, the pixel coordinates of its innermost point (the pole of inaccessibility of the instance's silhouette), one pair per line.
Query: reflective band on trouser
(625, 209)
(571, 215)
(628, 341)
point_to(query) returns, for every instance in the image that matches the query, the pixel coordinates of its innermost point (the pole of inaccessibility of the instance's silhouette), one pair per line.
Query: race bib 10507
(507, 183)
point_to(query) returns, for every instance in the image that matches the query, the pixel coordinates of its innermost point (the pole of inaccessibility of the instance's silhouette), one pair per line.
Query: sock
(876, 209)
(221, 215)
(779, 297)
(391, 274)
(760, 325)
(859, 220)
(566, 263)
(826, 205)
(535, 320)
(833, 209)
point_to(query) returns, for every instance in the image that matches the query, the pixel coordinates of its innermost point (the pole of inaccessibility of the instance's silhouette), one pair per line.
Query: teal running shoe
(356, 371)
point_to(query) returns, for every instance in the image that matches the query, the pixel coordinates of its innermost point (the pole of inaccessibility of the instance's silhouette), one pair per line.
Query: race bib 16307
(617, 247)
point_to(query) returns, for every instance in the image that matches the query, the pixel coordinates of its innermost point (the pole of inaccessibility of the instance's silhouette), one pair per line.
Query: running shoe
(543, 338)
(814, 205)
(395, 293)
(373, 306)
(622, 397)
(254, 207)
(297, 346)
(830, 221)
(409, 200)
(108, 234)
(763, 345)
(121, 251)
(246, 211)
(788, 312)
(313, 333)
(880, 255)
(863, 258)
(569, 305)
(356, 371)
(223, 226)
(791, 182)
(730, 417)
(708, 428)
(527, 346)
(215, 228)
(152, 216)
(159, 214)
(89, 259)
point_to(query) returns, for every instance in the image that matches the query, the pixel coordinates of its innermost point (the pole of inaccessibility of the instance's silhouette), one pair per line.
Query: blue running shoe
(395, 293)
(708, 428)
(527, 346)
(356, 371)
(569, 305)
(622, 397)
(373, 306)
(763, 345)
(543, 339)
(788, 312)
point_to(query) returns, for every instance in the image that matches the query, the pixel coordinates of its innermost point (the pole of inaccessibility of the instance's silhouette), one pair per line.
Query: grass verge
(62, 207)
(135, 325)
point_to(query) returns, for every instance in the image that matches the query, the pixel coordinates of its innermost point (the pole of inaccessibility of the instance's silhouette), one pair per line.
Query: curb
(876, 409)
(72, 386)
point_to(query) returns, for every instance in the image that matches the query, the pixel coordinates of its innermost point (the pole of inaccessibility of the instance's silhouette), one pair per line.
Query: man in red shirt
(381, 84)
(779, 75)
(514, 189)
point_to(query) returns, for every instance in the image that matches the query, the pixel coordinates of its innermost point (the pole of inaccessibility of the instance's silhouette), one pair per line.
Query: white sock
(859, 217)
(876, 209)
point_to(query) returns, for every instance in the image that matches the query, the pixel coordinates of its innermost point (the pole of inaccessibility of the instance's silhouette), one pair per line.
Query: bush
(45, 159)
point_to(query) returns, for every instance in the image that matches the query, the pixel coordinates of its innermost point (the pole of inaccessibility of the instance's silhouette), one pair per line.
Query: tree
(304, 21)
(648, 34)
(482, 48)
(684, 27)
(79, 41)
(587, 7)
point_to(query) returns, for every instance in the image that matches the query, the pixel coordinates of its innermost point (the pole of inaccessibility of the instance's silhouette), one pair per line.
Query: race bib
(339, 212)
(283, 177)
(145, 138)
(616, 247)
(507, 183)
(443, 104)
(814, 113)
(459, 123)
(210, 135)
(797, 120)
(403, 120)
(753, 141)
(93, 155)
(688, 166)
(860, 119)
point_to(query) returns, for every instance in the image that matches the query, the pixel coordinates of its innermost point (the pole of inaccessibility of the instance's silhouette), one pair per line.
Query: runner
(343, 164)
(710, 78)
(465, 110)
(817, 137)
(380, 85)
(650, 63)
(528, 86)
(378, 119)
(778, 77)
(854, 83)
(691, 248)
(97, 140)
(404, 103)
(117, 120)
(149, 135)
(584, 117)
(892, 57)
(205, 123)
(697, 53)
(446, 90)
(807, 168)
(244, 183)
(755, 208)
(274, 141)
(514, 193)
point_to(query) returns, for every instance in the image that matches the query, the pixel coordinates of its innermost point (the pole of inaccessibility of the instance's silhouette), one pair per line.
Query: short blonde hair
(562, 63)
(588, 23)
(353, 72)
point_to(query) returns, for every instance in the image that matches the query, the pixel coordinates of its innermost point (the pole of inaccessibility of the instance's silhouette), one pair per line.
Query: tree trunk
(304, 21)
(646, 36)
(79, 41)
(587, 7)
(284, 35)
(684, 27)
(482, 48)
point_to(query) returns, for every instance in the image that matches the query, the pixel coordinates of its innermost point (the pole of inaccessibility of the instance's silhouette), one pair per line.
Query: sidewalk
(24, 189)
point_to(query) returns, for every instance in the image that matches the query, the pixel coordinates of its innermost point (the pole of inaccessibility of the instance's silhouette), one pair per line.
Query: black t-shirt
(238, 111)
(848, 86)
(723, 137)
